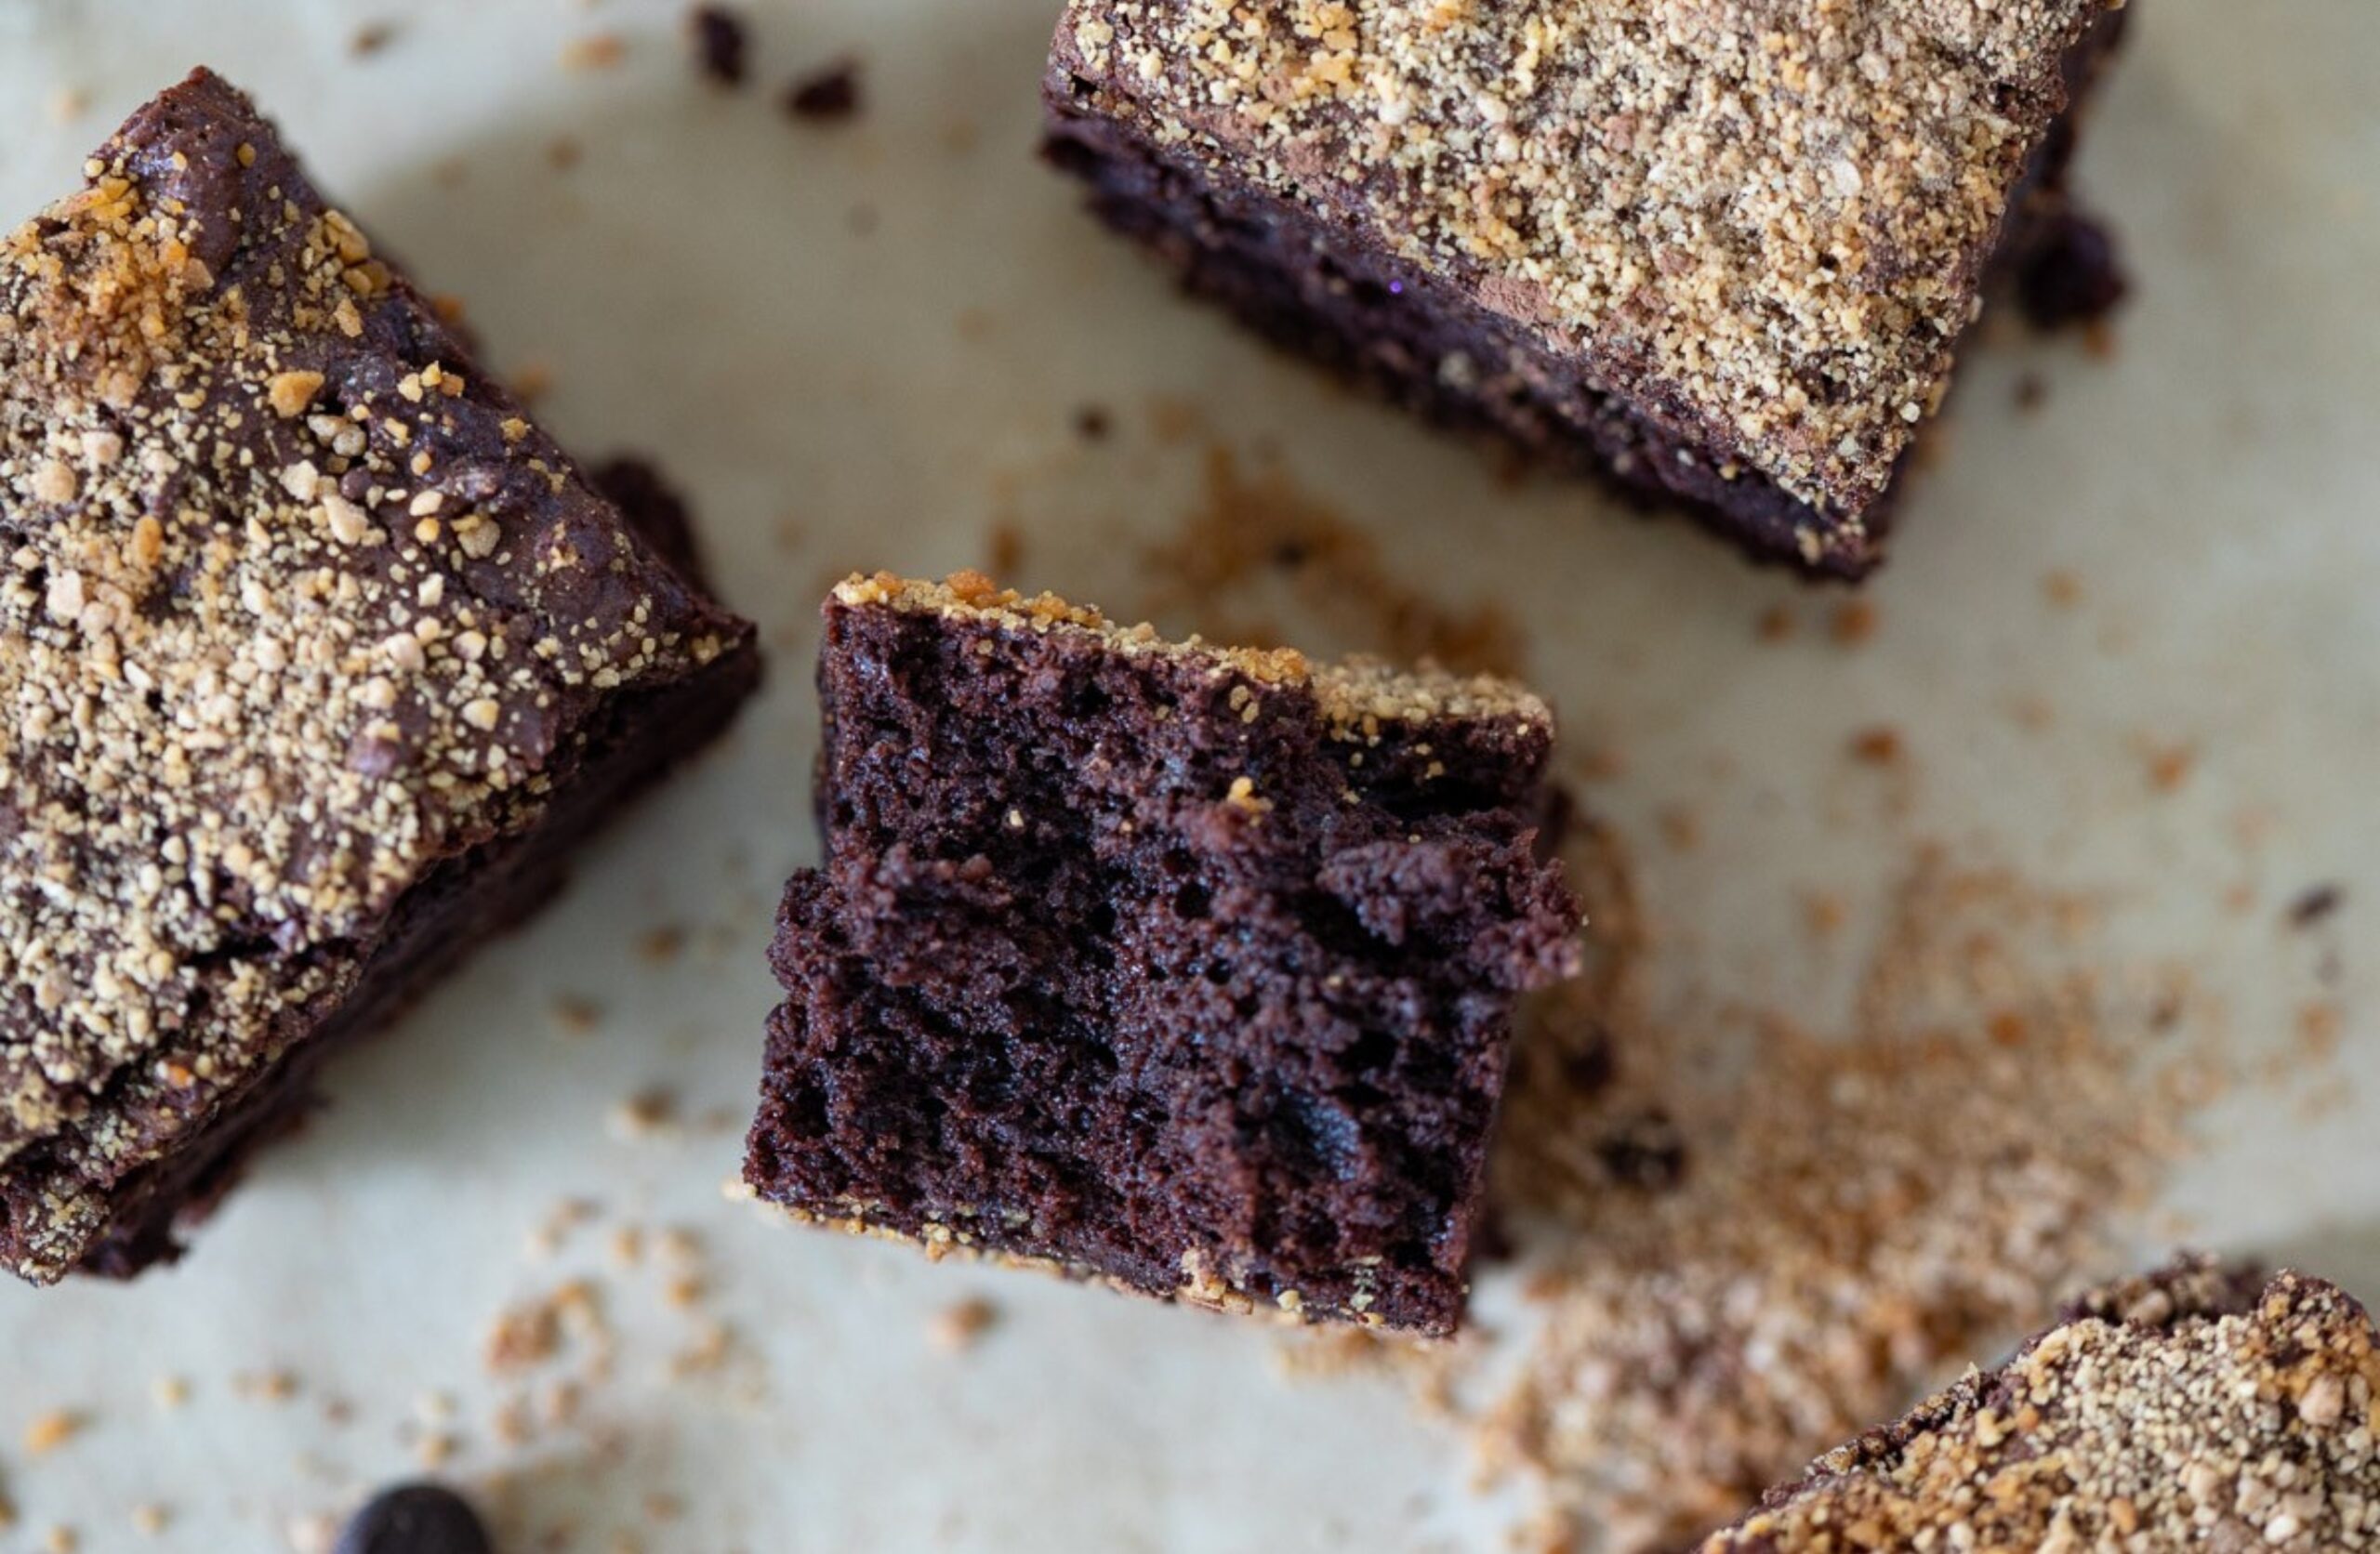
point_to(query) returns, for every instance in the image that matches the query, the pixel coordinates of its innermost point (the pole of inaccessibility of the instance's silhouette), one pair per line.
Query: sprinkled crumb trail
(1742, 1252)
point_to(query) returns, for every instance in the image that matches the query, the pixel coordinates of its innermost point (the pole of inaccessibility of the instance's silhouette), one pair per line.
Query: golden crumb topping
(1349, 694)
(289, 614)
(2191, 1430)
(1763, 218)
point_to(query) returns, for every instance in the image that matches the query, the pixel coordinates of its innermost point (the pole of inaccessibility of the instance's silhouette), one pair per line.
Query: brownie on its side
(1185, 968)
(2199, 1407)
(1723, 253)
(316, 657)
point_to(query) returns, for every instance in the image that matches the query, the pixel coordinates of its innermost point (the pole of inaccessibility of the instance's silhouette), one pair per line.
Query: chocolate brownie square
(316, 654)
(1721, 252)
(2199, 1407)
(1185, 967)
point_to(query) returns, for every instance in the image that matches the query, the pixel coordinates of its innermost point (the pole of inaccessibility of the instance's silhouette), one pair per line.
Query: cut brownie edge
(1189, 966)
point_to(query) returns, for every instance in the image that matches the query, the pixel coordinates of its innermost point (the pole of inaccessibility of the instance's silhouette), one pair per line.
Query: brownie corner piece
(1185, 967)
(2203, 1405)
(1722, 254)
(316, 656)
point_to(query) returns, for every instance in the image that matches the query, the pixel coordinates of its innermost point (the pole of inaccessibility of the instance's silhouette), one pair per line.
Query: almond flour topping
(1762, 219)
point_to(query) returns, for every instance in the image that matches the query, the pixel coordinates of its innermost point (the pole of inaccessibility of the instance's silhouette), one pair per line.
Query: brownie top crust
(296, 604)
(1761, 221)
(2187, 1409)
(1350, 694)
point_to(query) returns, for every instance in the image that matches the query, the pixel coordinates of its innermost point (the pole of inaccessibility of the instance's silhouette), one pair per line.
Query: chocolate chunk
(721, 42)
(827, 96)
(415, 1519)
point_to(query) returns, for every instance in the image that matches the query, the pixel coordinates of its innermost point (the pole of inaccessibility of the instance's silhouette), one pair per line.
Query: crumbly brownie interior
(2196, 1407)
(314, 651)
(1450, 314)
(1183, 968)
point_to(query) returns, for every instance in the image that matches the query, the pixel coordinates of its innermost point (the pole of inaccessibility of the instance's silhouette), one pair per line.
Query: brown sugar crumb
(49, 1431)
(1821, 1245)
(828, 96)
(2169, 765)
(371, 38)
(265, 1386)
(1005, 546)
(573, 1015)
(595, 51)
(291, 393)
(169, 1392)
(1877, 747)
(2062, 589)
(150, 1520)
(722, 42)
(663, 945)
(644, 1114)
(61, 1539)
(1776, 624)
(957, 1328)
(1853, 623)
(1251, 528)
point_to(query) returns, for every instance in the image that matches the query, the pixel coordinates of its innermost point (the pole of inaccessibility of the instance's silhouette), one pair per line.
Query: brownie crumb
(828, 96)
(1092, 423)
(2313, 905)
(371, 38)
(2073, 275)
(722, 44)
(1853, 623)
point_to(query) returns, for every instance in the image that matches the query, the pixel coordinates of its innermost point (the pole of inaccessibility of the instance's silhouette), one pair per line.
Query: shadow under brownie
(316, 657)
(1723, 255)
(1185, 968)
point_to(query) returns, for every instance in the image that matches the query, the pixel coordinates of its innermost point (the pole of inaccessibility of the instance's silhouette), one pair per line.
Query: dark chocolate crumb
(2314, 904)
(722, 44)
(2072, 276)
(1092, 423)
(828, 96)
(415, 1519)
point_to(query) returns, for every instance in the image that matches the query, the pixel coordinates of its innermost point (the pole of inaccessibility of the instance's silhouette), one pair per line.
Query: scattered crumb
(662, 944)
(149, 1519)
(2062, 588)
(563, 152)
(722, 44)
(828, 96)
(595, 51)
(955, 1328)
(2032, 391)
(532, 382)
(1747, 1241)
(644, 1114)
(1250, 528)
(2314, 904)
(576, 1016)
(169, 1392)
(2169, 765)
(434, 1450)
(265, 1386)
(1005, 547)
(1776, 623)
(1855, 621)
(67, 104)
(7, 1514)
(1877, 747)
(1680, 827)
(371, 38)
(61, 1539)
(49, 1431)
(1092, 424)
(312, 1534)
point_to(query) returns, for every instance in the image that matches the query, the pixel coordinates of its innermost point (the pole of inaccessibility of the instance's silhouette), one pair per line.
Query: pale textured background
(698, 288)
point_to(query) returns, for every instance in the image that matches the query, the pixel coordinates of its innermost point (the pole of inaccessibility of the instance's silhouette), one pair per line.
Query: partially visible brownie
(1182, 967)
(2199, 1407)
(316, 657)
(1722, 252)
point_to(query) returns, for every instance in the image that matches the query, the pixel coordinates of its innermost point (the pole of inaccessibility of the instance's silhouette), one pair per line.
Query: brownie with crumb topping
(316, 656)
(1183, 968)
(1721, 254)
(2200, 1406)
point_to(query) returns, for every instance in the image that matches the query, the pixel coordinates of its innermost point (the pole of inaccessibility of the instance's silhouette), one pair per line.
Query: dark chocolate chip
(2314, 904)
(415, 1519)
(720, 44)
(828, 96)
(2073, 275)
